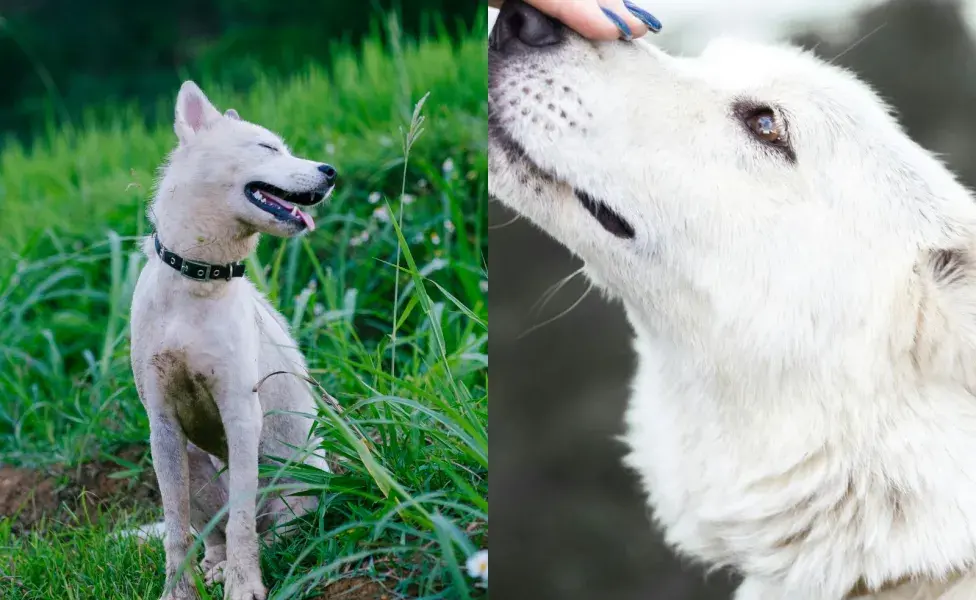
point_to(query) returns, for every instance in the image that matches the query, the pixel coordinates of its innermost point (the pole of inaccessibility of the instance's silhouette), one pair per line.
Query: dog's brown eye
(766, 127)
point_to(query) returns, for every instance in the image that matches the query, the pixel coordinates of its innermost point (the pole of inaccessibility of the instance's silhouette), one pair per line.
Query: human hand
(597, 19)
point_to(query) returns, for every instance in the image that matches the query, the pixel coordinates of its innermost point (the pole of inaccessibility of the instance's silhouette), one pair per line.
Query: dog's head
(226, 169)
(702, 191)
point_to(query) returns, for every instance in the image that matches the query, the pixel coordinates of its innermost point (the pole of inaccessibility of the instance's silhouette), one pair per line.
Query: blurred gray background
(568, 522)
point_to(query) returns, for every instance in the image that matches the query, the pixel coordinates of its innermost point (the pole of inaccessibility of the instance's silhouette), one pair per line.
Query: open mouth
(605, 216)
(284, 205)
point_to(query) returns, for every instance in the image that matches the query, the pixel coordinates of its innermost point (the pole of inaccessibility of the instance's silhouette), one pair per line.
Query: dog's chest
(791, 495)
(189, 393)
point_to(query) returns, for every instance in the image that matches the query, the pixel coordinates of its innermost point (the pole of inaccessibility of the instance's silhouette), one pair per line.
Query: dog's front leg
(242, 417)
(168, 447)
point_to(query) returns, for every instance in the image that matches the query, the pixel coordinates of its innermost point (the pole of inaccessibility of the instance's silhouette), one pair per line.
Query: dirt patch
(356, 588)
(29, 495)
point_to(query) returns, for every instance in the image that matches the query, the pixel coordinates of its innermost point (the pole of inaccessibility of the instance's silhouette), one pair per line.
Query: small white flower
(448, 226)
(381, 214)
(422, 184)
(318, 309)
(448, 167)
(418, 238)
(436, 239)
(478, 565)
(408, 199)
(359, 240)
(374, 197)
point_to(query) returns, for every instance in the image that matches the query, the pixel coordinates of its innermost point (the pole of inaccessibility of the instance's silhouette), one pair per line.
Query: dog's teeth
(259, 196)
(294, 211)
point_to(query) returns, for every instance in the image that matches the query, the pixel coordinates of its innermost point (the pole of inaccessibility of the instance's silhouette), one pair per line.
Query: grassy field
(393, 321)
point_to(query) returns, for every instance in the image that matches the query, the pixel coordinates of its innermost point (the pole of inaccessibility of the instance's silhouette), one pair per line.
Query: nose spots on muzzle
(532, 94)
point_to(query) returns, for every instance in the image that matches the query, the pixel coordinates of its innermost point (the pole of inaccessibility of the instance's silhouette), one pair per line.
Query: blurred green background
(63, 58)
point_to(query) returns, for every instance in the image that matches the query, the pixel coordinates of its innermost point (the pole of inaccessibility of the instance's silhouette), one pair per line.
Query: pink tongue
(307, 220)
(309, 223)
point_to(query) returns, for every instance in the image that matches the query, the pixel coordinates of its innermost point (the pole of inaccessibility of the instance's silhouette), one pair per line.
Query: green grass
(393, 321)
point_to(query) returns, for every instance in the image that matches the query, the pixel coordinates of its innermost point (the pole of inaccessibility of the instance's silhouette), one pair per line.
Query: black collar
(197, 270)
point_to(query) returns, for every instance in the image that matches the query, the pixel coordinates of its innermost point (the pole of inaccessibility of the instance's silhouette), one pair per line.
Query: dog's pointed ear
(944, 334)
(193, 111)
(232, 114)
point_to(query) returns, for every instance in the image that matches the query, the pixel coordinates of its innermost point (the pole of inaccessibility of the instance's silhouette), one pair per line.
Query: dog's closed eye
(269, 147)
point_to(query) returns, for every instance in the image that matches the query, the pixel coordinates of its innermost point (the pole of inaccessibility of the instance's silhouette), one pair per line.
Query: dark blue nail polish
(645, 17)
(625, 31)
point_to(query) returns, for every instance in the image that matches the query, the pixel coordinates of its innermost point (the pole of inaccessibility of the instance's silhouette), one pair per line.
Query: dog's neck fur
(862, 449)
(191, 223)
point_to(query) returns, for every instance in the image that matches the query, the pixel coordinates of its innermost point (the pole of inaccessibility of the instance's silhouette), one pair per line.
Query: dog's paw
(214, 574)
(184, 590)
(248, 593)
(214, 558)
(243, 587)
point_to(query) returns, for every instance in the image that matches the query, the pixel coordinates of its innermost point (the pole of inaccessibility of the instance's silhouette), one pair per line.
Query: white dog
(801, 278)
(202, 338)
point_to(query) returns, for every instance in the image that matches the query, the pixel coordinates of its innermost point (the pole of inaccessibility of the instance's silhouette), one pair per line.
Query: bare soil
(28, 496)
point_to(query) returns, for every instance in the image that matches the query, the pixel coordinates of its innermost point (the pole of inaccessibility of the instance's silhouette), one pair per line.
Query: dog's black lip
(303, 199)
(514, 151)
(608, 218)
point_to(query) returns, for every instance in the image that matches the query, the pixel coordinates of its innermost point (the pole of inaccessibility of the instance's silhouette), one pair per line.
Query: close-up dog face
(708, 186)
(264, 187)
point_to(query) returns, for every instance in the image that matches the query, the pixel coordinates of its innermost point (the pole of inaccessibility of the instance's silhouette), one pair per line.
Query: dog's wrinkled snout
(520, 25)
(329, 172)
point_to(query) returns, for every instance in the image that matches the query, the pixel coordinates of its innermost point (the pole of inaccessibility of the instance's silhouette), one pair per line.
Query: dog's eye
(766, 126)
(269, 147)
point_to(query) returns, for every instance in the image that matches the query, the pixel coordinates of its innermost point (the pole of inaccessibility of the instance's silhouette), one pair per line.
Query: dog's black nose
(330, 173)
(520, 25)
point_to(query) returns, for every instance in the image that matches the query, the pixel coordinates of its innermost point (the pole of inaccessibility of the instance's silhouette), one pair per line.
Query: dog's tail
(143, 533)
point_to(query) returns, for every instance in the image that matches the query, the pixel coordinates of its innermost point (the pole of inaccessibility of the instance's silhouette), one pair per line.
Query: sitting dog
(203, 337)
(801, 279)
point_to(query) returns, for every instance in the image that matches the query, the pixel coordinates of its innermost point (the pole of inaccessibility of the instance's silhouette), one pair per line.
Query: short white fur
(805, 403)
(200, 348)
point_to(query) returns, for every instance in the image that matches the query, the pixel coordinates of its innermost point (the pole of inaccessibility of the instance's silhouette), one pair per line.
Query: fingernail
(645, 17)
(625, 31)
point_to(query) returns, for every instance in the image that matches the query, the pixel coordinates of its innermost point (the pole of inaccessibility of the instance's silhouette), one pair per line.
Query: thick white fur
(199, 348)
(804, 405)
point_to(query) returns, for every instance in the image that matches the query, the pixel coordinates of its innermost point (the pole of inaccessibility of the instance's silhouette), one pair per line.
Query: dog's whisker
(554, 289)
(857, 43)
(538, 326)
(511, 221)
